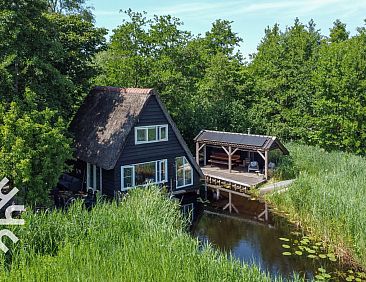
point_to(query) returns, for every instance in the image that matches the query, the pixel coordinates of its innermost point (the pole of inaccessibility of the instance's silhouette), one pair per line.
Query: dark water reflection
(253, 242)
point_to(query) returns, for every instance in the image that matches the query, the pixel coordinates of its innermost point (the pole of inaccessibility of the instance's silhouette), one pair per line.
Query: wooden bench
(222, 158)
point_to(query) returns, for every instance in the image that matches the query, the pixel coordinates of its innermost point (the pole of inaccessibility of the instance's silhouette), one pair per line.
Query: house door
(93, 177)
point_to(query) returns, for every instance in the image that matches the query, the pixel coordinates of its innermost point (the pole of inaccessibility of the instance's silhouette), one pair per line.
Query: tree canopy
(46, 63)
(300, 84)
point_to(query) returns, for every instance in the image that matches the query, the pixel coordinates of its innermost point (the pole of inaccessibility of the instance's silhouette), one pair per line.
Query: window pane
(188, 173)
(127, 177)
(141, 135)
(90, 175)
(163, 133)
(179, 171)
(162, 171)
(145, 173)
(152, 134)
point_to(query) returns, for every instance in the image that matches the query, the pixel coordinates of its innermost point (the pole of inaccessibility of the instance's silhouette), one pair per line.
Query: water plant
(298, 245)
(327, 199)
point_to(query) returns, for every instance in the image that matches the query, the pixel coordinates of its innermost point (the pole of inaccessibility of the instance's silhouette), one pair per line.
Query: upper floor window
(153, 133)
(184, 172)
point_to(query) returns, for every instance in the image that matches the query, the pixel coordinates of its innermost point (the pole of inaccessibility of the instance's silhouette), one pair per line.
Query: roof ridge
(127, 90)
(238, 133)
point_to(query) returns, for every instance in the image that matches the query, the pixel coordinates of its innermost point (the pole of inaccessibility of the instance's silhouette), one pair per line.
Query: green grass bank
(328, 197)
(141, 239)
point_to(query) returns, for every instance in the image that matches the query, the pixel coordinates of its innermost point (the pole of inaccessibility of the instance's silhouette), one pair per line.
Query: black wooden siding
(132, 154)
(108, 182)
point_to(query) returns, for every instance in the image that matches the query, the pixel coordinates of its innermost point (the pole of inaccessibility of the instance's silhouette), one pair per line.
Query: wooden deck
(236, 177)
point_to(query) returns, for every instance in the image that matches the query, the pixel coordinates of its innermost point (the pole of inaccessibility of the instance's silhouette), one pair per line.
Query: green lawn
(328, 197)
(142, 239)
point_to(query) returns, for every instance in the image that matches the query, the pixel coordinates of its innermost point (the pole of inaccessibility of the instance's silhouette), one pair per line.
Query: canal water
(253, 242)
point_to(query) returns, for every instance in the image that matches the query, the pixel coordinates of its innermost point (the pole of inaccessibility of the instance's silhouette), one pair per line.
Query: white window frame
(157, 132)
(158, 165)
(184, 173)
(93, 185)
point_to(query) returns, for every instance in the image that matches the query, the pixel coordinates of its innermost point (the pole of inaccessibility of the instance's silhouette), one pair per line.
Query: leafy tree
(45, 70)
(221, 39)
(73, 7)
(282, 69)
(49, 53)
(340, 104)
(338, 32)
(33, 150)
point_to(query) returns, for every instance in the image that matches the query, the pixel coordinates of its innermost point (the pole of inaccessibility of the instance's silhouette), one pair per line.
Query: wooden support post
(260, 153)
(266, 212)
(233, 152)
(229, 160)
(204, 155)
(230, 204)
(230, 201)
(266, 164)
(198, 153)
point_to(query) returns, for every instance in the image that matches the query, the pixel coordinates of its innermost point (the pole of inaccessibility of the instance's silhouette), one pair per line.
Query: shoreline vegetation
(141, 239)
(327, 199)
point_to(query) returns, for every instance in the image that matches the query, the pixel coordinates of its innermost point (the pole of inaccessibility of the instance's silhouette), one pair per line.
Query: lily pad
(312, 256)
(286, 246)
(286, 253)
(333, 259)
(284, 239)
(322, 256)
(320, 269)
(299, 253)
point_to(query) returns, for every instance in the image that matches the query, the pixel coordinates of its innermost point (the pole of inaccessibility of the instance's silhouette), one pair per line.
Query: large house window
(149, 134)
(93, 177)
(184, 172)
(143, 173)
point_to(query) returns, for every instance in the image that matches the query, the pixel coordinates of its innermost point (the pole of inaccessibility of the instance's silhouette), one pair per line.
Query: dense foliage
(328, 197)
(141, 239)
(45, 67)
(300, 85)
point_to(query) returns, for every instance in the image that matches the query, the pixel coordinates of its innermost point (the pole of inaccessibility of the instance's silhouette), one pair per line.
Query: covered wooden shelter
(231, 143)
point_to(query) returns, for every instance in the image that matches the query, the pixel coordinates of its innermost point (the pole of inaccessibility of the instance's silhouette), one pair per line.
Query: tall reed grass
(329, 197)
(141, 239)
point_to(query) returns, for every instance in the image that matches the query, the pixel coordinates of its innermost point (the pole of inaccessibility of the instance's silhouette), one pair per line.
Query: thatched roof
(105, 119)
(103, 122)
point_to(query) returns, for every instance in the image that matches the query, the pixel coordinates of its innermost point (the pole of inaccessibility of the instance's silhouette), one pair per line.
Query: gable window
(183, 172)
(149, 134)
(93, 177)
(143, 173)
